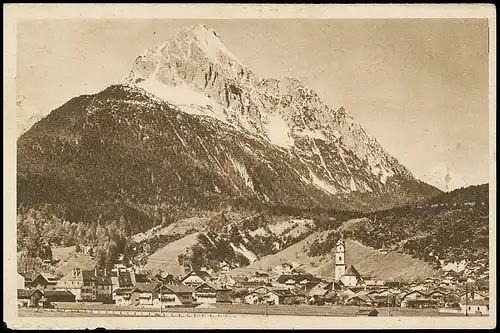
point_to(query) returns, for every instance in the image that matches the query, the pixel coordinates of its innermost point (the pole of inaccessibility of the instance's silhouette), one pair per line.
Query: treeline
(38, 231)
(450, 233)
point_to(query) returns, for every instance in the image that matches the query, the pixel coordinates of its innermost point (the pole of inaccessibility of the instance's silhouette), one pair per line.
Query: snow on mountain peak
(208, 41)
(197, 72)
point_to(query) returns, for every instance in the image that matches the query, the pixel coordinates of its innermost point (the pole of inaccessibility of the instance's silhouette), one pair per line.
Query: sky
(419, 86)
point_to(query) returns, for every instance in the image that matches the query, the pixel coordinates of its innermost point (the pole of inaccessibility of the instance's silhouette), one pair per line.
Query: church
(349, 277)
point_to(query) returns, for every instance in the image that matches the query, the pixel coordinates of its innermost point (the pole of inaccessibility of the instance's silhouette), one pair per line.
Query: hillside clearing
(166, 258)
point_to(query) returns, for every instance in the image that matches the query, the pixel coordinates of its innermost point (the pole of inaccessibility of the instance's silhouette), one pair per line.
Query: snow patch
(211, 44)
(321, 184)
(242, 170)
(244, 251)
(278, 131)
(352, 184)
(314, 134)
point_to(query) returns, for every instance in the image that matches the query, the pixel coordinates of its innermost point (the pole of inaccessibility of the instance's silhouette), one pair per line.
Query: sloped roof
(477, 302)
(296, 277)
(49, 277)
(204, 285)
(48, 293)
(364, 298)
(351, 271)
(123, 291)
(202, 274)
(26, 293)
(178, 288)
(146, 286)
(282, 292)
(124, 280)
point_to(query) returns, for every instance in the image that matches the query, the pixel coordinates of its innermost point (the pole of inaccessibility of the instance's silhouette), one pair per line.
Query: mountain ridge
(211, 134)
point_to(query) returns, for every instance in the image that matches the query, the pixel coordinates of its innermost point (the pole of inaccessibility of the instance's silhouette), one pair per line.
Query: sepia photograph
(241, 166)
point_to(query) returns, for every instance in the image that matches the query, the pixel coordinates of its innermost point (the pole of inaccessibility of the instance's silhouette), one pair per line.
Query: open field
(71, 309)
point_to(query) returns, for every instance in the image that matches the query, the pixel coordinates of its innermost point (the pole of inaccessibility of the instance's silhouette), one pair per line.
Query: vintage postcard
(249, 166)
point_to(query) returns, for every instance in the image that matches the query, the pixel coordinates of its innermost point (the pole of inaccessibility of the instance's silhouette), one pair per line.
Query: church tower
(340, 258)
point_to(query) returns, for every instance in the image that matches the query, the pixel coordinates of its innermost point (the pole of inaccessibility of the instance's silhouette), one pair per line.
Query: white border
(15, 12)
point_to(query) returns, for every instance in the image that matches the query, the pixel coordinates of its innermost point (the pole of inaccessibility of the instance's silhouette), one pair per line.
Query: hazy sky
(419, 86)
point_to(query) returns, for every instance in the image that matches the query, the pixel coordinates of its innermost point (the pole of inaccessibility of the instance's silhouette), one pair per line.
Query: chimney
(105, 271)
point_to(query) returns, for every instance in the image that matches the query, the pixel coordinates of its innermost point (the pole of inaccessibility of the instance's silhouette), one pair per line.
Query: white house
(148, 292)
(126, 296)
(475, 307)
(205, 293)
(175, 295)
(253, 298)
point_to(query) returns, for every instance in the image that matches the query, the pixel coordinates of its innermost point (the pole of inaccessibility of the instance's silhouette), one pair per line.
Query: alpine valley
(195, 160)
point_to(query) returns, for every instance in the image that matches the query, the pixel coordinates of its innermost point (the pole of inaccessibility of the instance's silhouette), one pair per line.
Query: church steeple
(340, 258)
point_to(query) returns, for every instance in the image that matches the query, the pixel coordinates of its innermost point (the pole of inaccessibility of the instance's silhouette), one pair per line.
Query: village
(286, 284)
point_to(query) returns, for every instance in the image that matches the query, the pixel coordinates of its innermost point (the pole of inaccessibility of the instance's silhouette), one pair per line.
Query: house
(321, 289)
(72, 282)
(175, 295)
(205, 293)
(253, 297)
(367, 312)
(44, 281)
(418, 299)
(331, 297)
(384, 298)
(290, 281)
(279, 296)
(88, 291)
(121, 279)
(148, 292)
(223, 295)
(361, 300)
(196, 278)
(351, 277)
(437, 295)
(475, 307)
(59, 296)
(472, 295)
(102, 289)
(29, 297)
(126, 296)
(20, 281)
(259, 277)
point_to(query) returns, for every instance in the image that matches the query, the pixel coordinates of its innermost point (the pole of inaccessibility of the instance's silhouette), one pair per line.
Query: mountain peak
(207, 40)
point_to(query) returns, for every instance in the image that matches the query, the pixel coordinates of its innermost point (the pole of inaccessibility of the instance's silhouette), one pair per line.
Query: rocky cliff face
(196, 71)
(193, 128)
